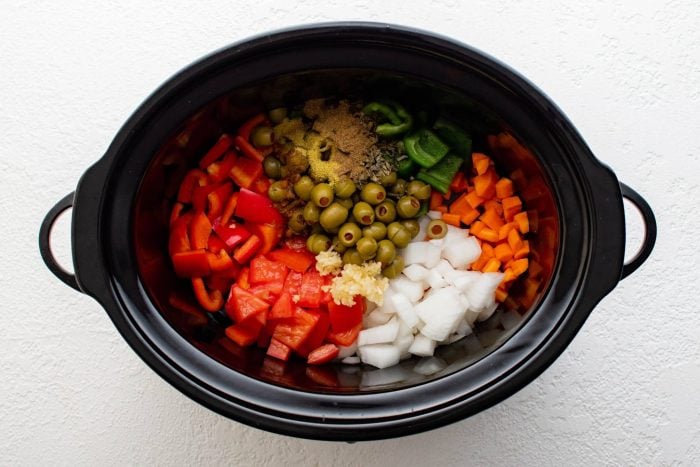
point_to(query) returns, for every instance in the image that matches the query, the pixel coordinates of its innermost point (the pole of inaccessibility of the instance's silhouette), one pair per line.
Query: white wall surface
(627, 391)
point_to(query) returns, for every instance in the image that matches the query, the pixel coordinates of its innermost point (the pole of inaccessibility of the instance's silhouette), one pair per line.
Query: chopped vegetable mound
(329, 262)
(365, 280)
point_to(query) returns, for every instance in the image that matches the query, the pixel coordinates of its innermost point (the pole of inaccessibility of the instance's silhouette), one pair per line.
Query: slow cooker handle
(649, 230)
(45, 242)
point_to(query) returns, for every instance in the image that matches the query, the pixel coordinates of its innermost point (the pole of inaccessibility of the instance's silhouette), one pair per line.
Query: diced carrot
(495, 205)
(459, 183)
(522, 221)
(487, 234)
(435, 199)
(501, 295)
(504, 188)
(474, 200)
(477, 227)
(460, 205)
(514, 240)
(452, 219)
(519, 266)
(508, 276)
(442, 208)
(488, 251)
(492, 220)
(492, 265)
(505, 230)
(485, 185)
(480, 162)
(523, 251)
(470, 216)
(511, 206)
(503, 253)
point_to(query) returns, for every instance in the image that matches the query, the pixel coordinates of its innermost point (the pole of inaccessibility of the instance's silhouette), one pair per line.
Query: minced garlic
(365, 280)
(329, 262)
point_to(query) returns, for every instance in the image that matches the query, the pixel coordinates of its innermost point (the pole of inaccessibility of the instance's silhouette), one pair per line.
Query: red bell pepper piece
(178, 241)
(269, 233)
(248, 150)
(296, 243)
(242, 305)
(220, 262)
(295, 330)
(191, 263)
(261, 185)
(296, 260)
(200, 196)
(263, 270)
(317, 335)
(278, 350)
(217, 199)
(246, 251)
(344, 338)
(229, 208)
(282, 308)
(310, 291)
(219, 171)
(210, 301)
(344, 317)
(175, 212)
(215, 244)
(249, 125)
(243, 334)
(323, 354)
(193, 179)
(231, 233)
(292, 284)
(326, 295)
(222, 145)
(245, 171)
(257, 208)
(220, 282)
(200, 229)
(264, 292)
(242, 279)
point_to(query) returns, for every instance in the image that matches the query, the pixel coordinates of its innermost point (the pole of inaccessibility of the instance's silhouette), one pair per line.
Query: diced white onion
(380, 355)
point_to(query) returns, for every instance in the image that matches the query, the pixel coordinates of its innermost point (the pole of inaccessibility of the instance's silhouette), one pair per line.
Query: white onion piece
(380, 334)
(422, 346)
(429, 366)
(403, 343)
(348, 351)
(422, 253)
(404, 308)
(441, 313)
(444, 268)
(423, 230)
(481, 293)
(380, 355)
(461, 252)
(412, 290)
(434, 215)
(438, 242)
(463, 280)
(435, 280)
(416, 272)
(351, 360)
(488, 311)
(455, 233)
(376, 318)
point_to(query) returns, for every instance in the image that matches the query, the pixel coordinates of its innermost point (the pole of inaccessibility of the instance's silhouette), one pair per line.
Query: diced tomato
(295, 330)
(317, 335)
(270, 234)
(245, 171)
(292, 284)
(297, 260)
(262, 270)
(242, 304)
(193, 263)
(323, 354)
(344, 317)
(310, 291)
(243, 334)
(278, 350)
(257, 208)
(282, 308)
(246, 251)
(231, 233)
(345, 338)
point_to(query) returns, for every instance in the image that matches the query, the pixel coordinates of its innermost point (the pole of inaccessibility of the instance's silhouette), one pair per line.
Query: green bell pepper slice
(440, 175)
(459, 140)
(398, 120)
(425, 148)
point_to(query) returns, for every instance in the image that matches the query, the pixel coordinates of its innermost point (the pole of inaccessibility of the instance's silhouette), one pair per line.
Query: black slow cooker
(119, 230)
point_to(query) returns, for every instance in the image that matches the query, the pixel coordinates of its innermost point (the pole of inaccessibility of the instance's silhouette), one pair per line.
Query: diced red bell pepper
(249, 125)
(278, 350)
(229, 208)
(296, 243)
(200, 229)
(296, 260)
(269, 233)
(317, 335)
(282, 308)
(257, 208)
(246, 251)
(242, 279)
(216, 200)
(261, 185)
(264, 292)
(263, 270)
(322, 354)
(215, 244)
(219, 171)
(193, 263)
(344, 338)
(179, 241)
(344, 317)
(292, 284)
(231, 233)
(220, 262)
(194, 178)
(248, 150)
(245, 171)
(295, 330)
(310, 292)
(326, 295)
(200, 197)
(220, 282)
(223, 144)
(242, 304)
(244, 334)
(210, 301)
(175, 212)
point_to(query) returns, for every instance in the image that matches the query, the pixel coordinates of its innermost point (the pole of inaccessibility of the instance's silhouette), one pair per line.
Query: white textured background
(627, 391)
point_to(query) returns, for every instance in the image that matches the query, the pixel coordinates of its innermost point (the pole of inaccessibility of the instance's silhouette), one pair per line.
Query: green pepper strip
(406, 168)
(440, 176)
(399, 120)
(459, 140)
(425, 148)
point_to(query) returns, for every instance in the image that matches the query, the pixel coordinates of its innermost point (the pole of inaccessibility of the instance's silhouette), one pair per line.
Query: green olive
(262, 136)
(345, 202)
(333, 216)
(337, 246)
(317, 229)
(303, 187)
(394, 269)
(376, 230)
(345, 188)
(373, 193)
(388, 179)
(272, 167)
(296, 221)
(351, 256)
(385, 212)
(399, 187)
(418, 189)
(278, 114)
(386, 252)
(398, 234)
(317, 243)
(311, 213)
(412, 226)
(407, 206)
(363, 213)
(278, 191)
(348, 234)
(437, 228)
(322, 195)
(366, 247)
